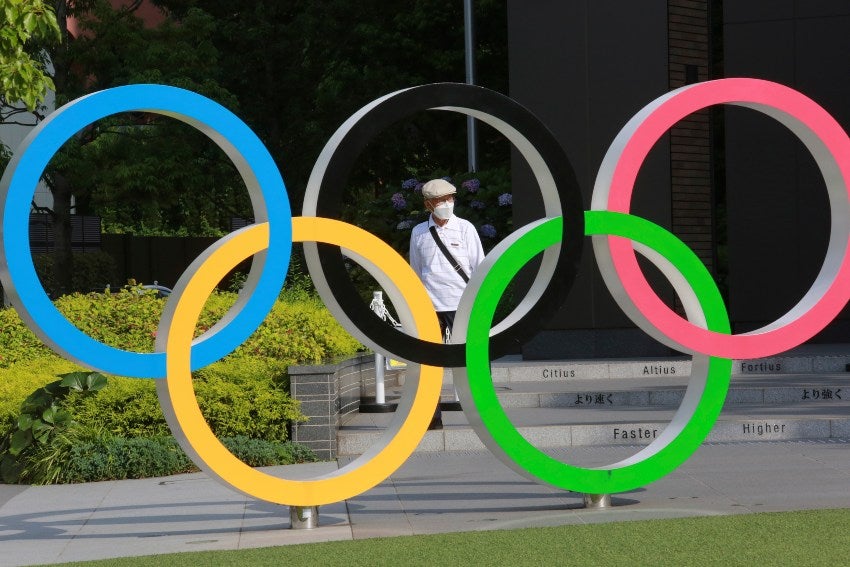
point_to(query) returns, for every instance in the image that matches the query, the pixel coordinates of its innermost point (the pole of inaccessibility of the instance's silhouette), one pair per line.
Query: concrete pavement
(739, 470)
(432, 492)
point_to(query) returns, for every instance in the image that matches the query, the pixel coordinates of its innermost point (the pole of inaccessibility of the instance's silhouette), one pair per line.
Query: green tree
(24, 79)
(300, 68)
(29, 30)
(143, 172)
(29, 27)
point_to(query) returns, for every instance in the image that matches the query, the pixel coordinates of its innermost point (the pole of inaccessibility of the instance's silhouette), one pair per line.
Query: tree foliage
(143, 172)
(29, 26)
(301, 68)
(294, 71)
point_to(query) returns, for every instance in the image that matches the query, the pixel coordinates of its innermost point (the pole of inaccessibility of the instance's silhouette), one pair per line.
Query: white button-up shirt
(443, 283)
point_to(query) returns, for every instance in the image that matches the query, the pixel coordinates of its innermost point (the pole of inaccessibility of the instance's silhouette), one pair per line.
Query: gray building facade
(736, 186)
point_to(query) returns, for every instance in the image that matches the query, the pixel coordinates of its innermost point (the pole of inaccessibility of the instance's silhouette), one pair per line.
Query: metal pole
(471, 126)
(379, 309)
(379, 379)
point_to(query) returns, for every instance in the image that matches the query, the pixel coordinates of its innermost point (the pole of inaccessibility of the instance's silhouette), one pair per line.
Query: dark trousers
(447, 319)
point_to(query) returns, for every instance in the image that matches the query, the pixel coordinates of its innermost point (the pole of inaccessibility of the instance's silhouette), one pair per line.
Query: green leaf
(96, 382)
(20, 441)
(48, 415)
(24, 421)
(11, 14)
(84, 381)
(75, 381)
(43, 435)
(56, 389)
(61, 418)
(30, 22)
(37, 401)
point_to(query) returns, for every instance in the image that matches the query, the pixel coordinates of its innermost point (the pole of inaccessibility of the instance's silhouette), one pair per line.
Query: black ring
(402, 104)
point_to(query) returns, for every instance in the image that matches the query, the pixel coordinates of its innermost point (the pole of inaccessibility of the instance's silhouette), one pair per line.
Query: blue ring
(258, 170)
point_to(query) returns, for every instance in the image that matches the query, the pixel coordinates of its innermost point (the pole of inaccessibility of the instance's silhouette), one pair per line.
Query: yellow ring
(189, 424)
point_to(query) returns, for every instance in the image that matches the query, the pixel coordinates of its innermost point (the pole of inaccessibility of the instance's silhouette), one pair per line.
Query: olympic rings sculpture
(616, 236)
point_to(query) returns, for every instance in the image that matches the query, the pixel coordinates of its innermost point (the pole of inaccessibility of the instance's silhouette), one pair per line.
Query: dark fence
(153, 258)
(85, 233)
(143, 258)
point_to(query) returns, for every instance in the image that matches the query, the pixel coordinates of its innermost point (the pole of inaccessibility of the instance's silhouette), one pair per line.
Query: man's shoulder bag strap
(455, 264)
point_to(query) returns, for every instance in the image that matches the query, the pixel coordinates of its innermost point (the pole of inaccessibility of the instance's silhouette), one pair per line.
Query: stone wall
(328, 394)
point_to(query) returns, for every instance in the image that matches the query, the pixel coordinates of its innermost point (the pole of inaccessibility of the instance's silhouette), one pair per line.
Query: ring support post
(597, 501)
(303, 517)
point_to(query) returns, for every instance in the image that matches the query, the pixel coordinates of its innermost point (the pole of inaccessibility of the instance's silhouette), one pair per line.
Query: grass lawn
(818, 537)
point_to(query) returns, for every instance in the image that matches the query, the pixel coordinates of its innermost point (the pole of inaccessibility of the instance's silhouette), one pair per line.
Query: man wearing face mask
(444, 250)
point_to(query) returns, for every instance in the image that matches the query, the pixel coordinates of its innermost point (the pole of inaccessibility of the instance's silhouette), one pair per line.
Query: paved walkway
(431, 493)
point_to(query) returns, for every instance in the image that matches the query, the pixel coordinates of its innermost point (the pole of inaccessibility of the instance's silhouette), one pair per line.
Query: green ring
(500, 434)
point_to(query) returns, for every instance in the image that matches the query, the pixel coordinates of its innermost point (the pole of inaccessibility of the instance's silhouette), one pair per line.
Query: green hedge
(18, 344)
(22, 379)
(90, 455)
(117, 458)
(93, 271)
(127, 407)
(244, 396)
(239, 396)
(300, 332)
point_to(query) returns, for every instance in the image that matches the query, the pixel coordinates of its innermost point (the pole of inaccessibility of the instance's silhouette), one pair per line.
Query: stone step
(569, 427)
(511, 369)
(590, 394)
(811, 389)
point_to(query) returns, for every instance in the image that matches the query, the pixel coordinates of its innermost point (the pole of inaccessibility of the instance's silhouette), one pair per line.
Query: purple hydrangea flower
(398, 201)
(488, 230)
(404, 225)
(409, 184)
(418, 188)
(476, 204)
(506, 199)
(471, 185)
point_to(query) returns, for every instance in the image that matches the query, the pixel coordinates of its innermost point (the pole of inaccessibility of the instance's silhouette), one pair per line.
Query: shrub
(22, 379)
(298, 332)
(42, 420)
(303, 332)
(44, 464)
(18, 343)
(243, 396)
(263, 453)
(128, 407)
(93, 271)
(127, 319)
(97, 456)
(246, 397)
(299, 285)
(237, 396)
(114, 458)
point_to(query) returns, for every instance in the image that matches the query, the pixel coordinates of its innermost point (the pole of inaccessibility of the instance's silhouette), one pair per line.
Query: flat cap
(437, 188)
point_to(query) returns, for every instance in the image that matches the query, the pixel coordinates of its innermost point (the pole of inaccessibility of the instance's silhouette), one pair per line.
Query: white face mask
(444, 210)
